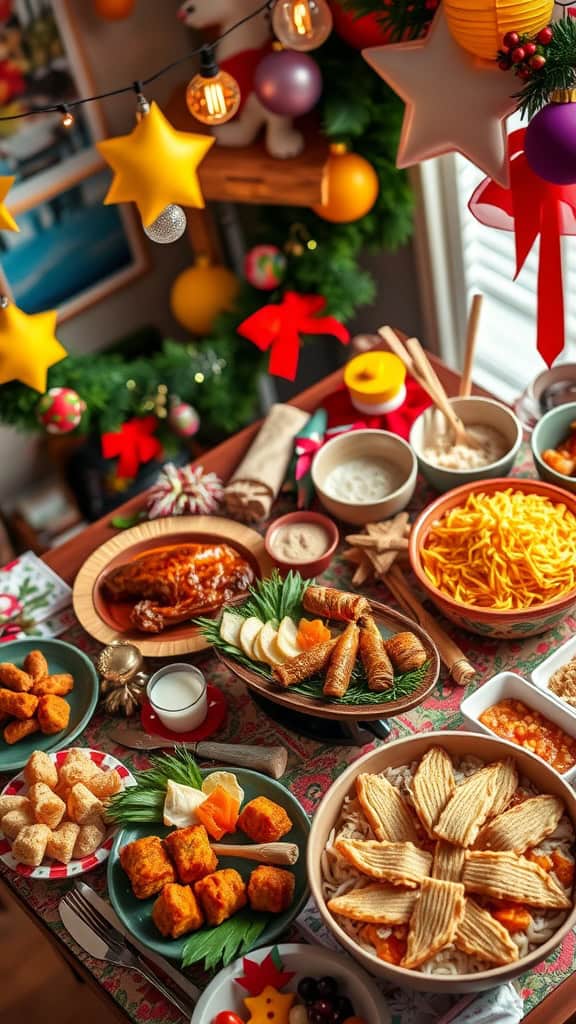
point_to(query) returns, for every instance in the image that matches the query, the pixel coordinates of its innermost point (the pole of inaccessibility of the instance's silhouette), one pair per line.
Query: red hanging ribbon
(134, 445)
(279, 327)
(532, 207)
(306, 448)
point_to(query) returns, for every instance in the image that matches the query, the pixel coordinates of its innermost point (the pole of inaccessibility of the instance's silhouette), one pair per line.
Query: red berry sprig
(524, 54)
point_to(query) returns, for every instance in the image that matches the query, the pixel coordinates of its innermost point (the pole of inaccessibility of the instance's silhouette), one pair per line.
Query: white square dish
(509, 686)
(541, 675)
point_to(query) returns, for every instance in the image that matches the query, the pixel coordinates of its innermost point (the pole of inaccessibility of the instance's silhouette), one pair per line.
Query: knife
(269, 760)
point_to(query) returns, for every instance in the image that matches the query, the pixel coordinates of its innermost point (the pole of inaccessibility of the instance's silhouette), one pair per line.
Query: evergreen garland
(558, 73)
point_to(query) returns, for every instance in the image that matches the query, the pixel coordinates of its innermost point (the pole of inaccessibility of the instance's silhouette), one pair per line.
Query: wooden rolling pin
(265, 853)
(460, 669)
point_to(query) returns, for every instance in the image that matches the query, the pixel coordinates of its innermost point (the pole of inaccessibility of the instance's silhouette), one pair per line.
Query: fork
(119, 950)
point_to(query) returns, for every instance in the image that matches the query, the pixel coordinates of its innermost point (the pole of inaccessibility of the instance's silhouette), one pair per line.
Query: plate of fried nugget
(51, 814)
(48, 694)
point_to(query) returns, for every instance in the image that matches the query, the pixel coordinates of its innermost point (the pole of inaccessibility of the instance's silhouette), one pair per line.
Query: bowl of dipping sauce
(445, 464)
(177, 695)
(305, 541)
(554, 447)
(365, 476)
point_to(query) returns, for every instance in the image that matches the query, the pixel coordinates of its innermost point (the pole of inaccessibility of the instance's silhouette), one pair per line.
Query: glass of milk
(177, 694)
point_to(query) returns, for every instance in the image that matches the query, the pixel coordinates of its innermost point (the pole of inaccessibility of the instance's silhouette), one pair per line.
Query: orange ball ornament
(200, 294)
(479, 26)
(351, 184)
(114, 10)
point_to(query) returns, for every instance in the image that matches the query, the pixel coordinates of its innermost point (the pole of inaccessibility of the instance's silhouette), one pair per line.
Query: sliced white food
(286, 641)
(268, 647)
(181, 804)
(227, 781)
(248, 634)
(230, 627)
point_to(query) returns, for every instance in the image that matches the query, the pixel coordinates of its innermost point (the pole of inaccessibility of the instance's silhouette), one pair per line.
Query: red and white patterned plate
(52, 869)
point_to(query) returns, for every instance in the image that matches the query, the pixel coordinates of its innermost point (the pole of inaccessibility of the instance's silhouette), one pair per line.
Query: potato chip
(435, 921)
(376, 904)
(448, 861)
(479, 934)
(399, 863)
(385, 808)
(505, 876)
(524, 825)
(473, 801)
(432, 786)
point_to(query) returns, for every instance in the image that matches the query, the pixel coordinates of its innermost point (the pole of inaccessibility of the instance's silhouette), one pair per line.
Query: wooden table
(557, 1007)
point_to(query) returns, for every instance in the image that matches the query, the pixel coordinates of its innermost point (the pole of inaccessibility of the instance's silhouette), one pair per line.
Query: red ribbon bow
(307, 447)
(279, 327)
(133, 444)
(532, 207)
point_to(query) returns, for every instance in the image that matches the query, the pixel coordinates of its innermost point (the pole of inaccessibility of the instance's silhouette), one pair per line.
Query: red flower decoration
(269, 973)
(134, 445)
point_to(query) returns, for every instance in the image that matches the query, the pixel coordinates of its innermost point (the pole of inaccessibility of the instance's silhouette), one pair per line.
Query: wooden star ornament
(28, 346)
(155, 166)
(454, 102)
(7, 222)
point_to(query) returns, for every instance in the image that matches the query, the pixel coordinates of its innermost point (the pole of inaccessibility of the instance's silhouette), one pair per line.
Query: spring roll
(377, 664)
(330, 603)
(342, 662)
(296, 670)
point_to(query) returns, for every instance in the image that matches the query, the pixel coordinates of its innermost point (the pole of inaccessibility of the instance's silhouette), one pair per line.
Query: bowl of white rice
(531, 930)
(495, 429)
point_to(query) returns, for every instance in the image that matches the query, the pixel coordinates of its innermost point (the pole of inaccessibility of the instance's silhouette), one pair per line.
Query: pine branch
(559, 71)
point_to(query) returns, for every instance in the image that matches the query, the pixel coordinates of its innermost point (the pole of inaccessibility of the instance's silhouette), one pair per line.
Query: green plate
(61, 657)
(136, 915)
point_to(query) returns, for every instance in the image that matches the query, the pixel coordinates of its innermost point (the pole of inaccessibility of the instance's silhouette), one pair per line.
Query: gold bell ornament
(122, 678)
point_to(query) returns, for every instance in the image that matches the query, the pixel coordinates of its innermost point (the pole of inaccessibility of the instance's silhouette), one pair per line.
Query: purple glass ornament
(288, 83)
(550, 143)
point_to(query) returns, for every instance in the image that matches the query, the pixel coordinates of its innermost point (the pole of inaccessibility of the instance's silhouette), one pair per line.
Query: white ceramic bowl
(473, 411)
(306, 961)
(541, 675)
(374, 444)
(509, 686)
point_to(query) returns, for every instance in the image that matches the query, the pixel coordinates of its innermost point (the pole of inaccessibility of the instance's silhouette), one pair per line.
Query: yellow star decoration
(7, 222)
(271, 1007)
(28, 347)
(155, 165)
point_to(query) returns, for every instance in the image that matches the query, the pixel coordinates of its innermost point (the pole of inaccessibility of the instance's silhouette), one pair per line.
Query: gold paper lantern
(479, 26)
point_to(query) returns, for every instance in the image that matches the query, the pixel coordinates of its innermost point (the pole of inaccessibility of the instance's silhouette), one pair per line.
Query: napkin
(34, 601)
(501, 1005)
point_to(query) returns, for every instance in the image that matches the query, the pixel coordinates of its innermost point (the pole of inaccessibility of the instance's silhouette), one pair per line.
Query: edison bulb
(213, 99)
(302, 24)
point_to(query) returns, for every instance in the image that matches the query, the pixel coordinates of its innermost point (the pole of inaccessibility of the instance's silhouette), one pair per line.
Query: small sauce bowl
(307, 569)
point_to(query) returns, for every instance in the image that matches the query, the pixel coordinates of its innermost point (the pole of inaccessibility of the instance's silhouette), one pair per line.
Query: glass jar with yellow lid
(376, 382)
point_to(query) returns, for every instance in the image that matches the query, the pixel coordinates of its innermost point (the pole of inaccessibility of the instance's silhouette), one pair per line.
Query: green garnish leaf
(219, 946)
(145, 801)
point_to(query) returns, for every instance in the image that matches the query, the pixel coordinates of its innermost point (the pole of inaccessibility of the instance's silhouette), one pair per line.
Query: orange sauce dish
(512, 720)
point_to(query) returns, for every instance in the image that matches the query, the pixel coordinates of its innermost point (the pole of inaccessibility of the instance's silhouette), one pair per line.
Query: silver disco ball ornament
(168, 227)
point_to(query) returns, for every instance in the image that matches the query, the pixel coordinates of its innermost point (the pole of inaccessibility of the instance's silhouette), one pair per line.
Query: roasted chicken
(177, 583)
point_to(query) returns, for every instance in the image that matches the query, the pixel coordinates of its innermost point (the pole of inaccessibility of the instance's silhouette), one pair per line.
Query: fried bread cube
(89, 839)
(35, 665)
(13, 822)
(59, 685)
(53, 714)
(61, 844)
(147, 865)
(30, 844)
(264, 821)
(14, 678)
(41, 768)
(12, 803)
(18, 705)
(191, 853)
(47, 807)
(83, 805)
(221, 895)
(270, 889)
(78, 767)
(177, 911)
(16, 731)
(104, 784)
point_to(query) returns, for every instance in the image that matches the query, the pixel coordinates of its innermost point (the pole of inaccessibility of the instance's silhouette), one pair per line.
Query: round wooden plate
(389, 622)
(107, 620)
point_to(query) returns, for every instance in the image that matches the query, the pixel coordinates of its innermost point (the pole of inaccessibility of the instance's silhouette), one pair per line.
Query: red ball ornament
(537, 62)
(544, 36)
(511, 39)
(529, 49)
(60, 410)
(360, 33)
(518, 55)
(183, 419)
(264, 267)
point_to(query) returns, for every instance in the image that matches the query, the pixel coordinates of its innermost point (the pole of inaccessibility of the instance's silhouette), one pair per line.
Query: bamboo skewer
(264, 853)
(471, 338)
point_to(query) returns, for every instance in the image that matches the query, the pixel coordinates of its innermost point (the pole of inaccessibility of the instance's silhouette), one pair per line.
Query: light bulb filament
(302, 18)
(215, 99)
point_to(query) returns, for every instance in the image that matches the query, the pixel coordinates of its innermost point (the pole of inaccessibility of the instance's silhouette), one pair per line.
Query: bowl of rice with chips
(445, 862)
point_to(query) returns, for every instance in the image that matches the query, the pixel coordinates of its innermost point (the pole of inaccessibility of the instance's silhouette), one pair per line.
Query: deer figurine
(239, 54)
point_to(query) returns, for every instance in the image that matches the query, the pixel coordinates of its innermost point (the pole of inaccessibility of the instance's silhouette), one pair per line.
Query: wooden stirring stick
(265, 853)
(471, 338)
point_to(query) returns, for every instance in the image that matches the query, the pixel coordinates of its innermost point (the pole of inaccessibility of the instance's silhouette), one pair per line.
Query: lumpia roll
(296, 670)
(335, 604)
(342, 662)
(377, 664)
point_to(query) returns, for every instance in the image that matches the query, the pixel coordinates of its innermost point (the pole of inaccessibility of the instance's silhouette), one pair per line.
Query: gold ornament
(28, 346)
(7, 222)
(479, 26)
(202, 293)
(122, 679)
(125, 699)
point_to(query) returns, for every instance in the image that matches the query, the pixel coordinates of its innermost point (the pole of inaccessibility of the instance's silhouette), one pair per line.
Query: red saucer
(217, 710)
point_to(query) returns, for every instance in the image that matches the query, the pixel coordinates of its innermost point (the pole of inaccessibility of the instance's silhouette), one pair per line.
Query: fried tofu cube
(53, 714)
(58, 685)
(14, 678)
(16, 731)
(104, 784)
(271, 890)
(47, 807)
(41, 768)
(221, 895)
(12, 803)
(78, 767)
(264, 821)
(61, 844)
(35, 665)
(83, 805)
(177, 911)
(191, 853)
(18, 705)
(30, 845)
(13, 822)
(147, 865)
(89, 838)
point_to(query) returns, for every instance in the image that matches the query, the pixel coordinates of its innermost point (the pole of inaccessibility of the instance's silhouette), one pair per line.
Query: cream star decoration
(7, 222)
(271, 1007)
(155, 166)
(28, 347)
(454, 102)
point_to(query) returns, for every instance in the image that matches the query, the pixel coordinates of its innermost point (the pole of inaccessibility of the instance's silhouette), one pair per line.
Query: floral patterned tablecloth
(313, 765)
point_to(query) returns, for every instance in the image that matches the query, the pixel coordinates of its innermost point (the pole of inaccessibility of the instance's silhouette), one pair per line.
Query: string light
(67, 120)
(302, 24)
(213, 96)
